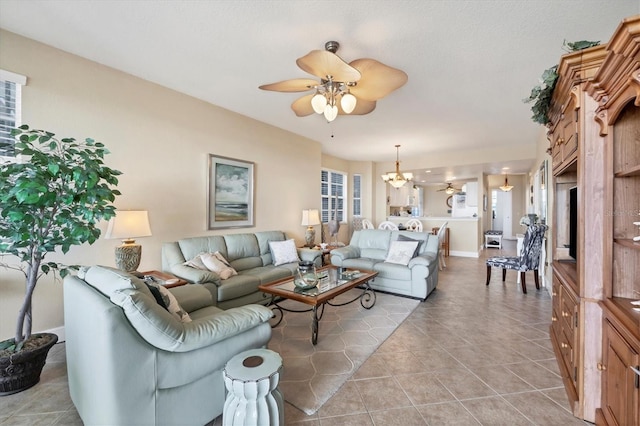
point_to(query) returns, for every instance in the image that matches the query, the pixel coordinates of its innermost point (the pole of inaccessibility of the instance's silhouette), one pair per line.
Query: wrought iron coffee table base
(367, 300)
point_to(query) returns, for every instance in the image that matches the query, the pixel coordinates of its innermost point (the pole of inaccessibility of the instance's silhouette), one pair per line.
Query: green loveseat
(369, 248)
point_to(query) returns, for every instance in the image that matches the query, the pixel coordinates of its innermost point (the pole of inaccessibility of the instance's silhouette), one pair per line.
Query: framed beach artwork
(230, 193)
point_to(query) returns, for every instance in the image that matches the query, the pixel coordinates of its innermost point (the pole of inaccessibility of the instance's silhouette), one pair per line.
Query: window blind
(10, 110)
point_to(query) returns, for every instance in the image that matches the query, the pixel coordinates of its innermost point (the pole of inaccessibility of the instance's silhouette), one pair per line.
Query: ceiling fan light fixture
(348, 102)
(506, 187)
(449, 191)
(357, 85)
(397, 179)
(318, 103)
(330, 112)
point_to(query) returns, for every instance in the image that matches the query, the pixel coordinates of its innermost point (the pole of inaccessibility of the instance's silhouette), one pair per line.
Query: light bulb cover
(348, 102)
(330, 112)
(318, 103)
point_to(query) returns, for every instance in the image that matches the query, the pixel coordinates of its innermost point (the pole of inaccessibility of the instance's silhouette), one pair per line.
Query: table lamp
(127, 225)
(310, 218)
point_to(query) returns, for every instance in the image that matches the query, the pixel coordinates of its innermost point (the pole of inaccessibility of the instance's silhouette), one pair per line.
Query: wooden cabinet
(406, 195)
(621, 375)
(616, 91)
(595, 330)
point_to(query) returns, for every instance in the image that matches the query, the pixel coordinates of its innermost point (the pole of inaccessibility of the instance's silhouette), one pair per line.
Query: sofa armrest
(310, 255)
(160, 329)
(425, 259)
(194, 275)
(347, 252)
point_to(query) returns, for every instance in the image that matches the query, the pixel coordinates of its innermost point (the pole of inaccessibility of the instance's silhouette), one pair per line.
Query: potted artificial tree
(51, 200)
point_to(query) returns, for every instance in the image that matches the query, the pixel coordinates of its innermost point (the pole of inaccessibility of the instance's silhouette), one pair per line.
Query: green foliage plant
(541, 94)
(53, 199)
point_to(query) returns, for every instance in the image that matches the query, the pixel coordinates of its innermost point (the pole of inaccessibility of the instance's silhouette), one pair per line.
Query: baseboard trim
(59, 331)
(464, 253)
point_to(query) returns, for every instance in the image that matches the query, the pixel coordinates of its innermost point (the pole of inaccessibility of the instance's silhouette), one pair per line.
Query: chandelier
(397, 179)
(506, 187)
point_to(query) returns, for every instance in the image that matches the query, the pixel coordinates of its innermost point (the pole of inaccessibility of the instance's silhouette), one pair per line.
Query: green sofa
(369, 248)
(131, 362)
(248, 253)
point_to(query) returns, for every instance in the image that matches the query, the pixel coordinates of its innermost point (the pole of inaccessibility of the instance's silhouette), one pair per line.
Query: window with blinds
(357, 189)
(10, 110)
(333, 192)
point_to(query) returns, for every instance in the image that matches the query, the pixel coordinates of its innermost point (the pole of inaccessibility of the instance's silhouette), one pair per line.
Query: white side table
(493, 239)
(253, 397)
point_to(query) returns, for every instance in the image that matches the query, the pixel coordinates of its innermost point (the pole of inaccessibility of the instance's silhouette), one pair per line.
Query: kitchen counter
(464, 232)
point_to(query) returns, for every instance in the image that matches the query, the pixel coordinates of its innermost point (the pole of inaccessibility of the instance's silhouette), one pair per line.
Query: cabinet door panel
(621, 398)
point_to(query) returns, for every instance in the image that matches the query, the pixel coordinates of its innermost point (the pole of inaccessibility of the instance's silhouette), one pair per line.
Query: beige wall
(160, 140)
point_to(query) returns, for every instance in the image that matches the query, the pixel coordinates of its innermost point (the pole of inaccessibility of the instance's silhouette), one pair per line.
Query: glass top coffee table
(327, 289)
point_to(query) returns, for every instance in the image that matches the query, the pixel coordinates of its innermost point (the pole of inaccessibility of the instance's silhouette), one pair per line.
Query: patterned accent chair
(528, 260)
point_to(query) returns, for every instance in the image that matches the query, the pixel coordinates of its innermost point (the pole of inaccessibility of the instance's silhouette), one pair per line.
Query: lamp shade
(129, 224)
(310, 217)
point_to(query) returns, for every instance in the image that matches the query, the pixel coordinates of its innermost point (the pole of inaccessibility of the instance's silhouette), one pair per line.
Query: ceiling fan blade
(362, 107)
(322, 63)
(302, 106)
(378, 79)
(294, 85)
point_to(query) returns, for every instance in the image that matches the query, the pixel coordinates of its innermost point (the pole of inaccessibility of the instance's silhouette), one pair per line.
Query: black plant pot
(22, 369)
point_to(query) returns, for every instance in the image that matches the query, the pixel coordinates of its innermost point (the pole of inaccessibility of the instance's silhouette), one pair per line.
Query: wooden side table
(165, 279)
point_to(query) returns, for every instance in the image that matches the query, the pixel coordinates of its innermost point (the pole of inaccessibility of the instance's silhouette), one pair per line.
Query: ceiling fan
(344, 88)
(450, 189)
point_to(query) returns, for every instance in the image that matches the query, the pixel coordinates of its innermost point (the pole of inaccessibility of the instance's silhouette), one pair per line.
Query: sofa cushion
(191, 247)
(283, 252)
(238, 286)
(373, 243)
(401, 252)
(270, 273)
(241, 246)
(392, 271)
(360, 263)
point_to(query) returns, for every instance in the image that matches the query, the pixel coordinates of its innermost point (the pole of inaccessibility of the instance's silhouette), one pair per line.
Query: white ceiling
(470, 62)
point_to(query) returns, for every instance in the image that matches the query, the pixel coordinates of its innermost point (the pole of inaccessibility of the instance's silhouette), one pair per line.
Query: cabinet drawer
(568, 309)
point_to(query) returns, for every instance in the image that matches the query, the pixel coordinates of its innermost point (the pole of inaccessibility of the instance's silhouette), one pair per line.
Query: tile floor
(469, 355)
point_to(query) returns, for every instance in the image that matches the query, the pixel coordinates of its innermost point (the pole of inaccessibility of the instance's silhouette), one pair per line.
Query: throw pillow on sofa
(196, 262)
(169, 302)
(215, 262)
(401, 252)
(405, 238)
(283, 252)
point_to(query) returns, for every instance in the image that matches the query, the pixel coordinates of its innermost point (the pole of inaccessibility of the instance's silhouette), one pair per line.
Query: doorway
(501, 206)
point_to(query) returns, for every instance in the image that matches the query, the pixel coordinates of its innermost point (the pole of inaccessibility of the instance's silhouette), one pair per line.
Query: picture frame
(230, 193)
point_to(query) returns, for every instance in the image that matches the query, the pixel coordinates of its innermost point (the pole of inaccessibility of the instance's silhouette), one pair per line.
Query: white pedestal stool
(253, 398)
